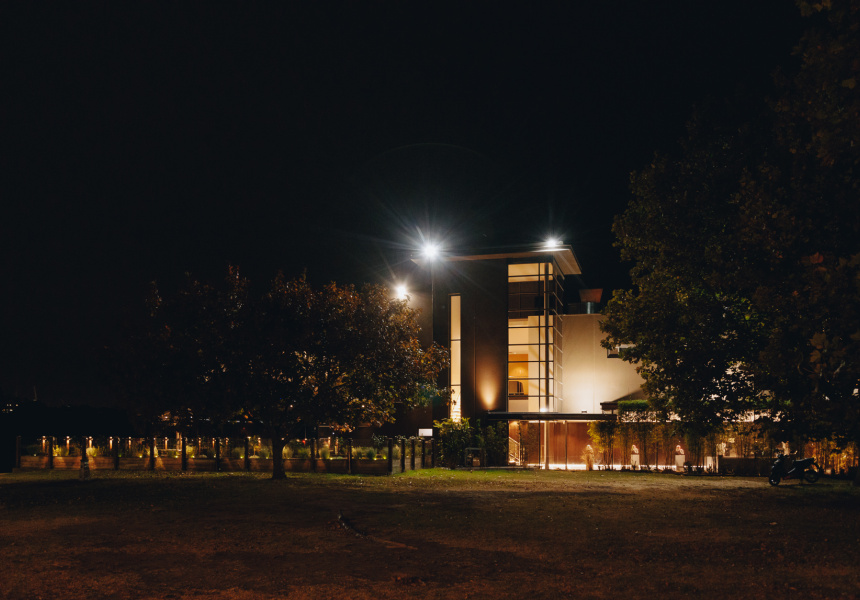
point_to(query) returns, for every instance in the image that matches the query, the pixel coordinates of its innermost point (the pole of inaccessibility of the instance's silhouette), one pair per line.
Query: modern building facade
(523, 355)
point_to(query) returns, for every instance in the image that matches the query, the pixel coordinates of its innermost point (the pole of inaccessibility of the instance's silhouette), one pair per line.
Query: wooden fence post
(152, 453)
(433, 453)
(423, 453)
(183, 449)
(412, 456)
(349, 465)
(390, 456)
(50, 452)
(402, 455)
(115, 454)
(18, 452)
(247, 458)
(313, 455)
(217, 455)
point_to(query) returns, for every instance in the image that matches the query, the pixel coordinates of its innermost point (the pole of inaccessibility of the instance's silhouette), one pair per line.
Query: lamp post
(431, 254)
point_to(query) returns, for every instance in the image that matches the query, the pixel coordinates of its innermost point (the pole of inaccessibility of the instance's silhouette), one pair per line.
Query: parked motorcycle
(786, 468)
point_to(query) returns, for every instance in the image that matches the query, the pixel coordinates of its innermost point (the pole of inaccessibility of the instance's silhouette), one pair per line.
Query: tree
(173, 368)
(456, 436)
(495, 440)
(602, 434)
(331, 356)
(637, 416)
(294, 359)
(812, 361)
(687, 324)
(746, 255)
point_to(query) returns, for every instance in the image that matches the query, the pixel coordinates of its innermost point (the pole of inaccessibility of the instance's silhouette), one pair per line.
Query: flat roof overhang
(531, 416)
(563, 255)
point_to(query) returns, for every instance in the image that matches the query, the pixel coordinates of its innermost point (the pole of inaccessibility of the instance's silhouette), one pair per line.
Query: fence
(377, 456)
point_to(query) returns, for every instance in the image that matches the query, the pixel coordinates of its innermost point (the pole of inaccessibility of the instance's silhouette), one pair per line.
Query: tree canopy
(171, 366)
(294, 359)
(746, 251)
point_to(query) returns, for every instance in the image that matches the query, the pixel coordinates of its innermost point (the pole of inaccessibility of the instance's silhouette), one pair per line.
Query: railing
(513, 451)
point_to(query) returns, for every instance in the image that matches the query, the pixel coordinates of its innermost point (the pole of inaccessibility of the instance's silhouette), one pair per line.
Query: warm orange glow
(456, 360)
(456, 406)
(488, 393)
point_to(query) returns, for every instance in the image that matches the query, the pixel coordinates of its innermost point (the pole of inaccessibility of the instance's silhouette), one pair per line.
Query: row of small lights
(432, 251)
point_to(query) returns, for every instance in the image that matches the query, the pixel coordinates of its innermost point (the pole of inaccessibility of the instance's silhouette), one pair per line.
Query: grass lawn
(425, 534)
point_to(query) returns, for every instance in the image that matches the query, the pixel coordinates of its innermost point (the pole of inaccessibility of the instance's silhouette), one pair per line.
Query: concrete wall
(589, 376)
(483, 289)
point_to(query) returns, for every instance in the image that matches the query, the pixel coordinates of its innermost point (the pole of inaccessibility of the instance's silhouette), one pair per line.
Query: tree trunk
(85, 461)
(184, 459)
(278, 457)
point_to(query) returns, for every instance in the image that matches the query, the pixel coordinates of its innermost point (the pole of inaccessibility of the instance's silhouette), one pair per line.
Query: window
(534, 337)
(456, 360)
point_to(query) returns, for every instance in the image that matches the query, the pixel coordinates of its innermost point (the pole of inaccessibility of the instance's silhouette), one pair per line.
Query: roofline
(563, 255)
(548, 416)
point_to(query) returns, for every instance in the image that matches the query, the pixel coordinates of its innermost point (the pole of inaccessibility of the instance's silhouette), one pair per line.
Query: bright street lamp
(431, 251)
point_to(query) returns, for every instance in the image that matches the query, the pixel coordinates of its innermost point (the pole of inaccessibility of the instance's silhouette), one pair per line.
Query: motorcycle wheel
(773, 480)
(811, 475)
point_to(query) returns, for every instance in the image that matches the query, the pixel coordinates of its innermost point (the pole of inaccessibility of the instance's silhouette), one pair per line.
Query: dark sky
(143, 140)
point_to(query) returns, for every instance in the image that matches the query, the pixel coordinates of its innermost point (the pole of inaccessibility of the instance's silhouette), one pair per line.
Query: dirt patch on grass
(426, 534)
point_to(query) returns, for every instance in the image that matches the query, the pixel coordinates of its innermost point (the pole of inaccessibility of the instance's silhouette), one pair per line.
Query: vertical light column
(456, 360)
(531, 312)
(547, 404)
(557, 347)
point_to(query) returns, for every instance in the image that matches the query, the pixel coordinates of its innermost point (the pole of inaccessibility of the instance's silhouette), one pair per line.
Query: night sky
(143, 140)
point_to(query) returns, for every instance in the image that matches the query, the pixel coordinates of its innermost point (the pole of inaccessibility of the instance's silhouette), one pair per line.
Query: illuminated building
(520, 353)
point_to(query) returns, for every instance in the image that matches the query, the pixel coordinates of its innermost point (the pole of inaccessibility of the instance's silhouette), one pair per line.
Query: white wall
(589, 376)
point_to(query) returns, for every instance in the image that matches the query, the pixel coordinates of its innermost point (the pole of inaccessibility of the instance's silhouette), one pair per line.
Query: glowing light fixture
(431, 251)
(400, 291)
(552, 243)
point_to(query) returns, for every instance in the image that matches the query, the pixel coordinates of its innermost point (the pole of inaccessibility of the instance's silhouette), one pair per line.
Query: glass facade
(565, 448)
(534, 337)
(456, 371)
